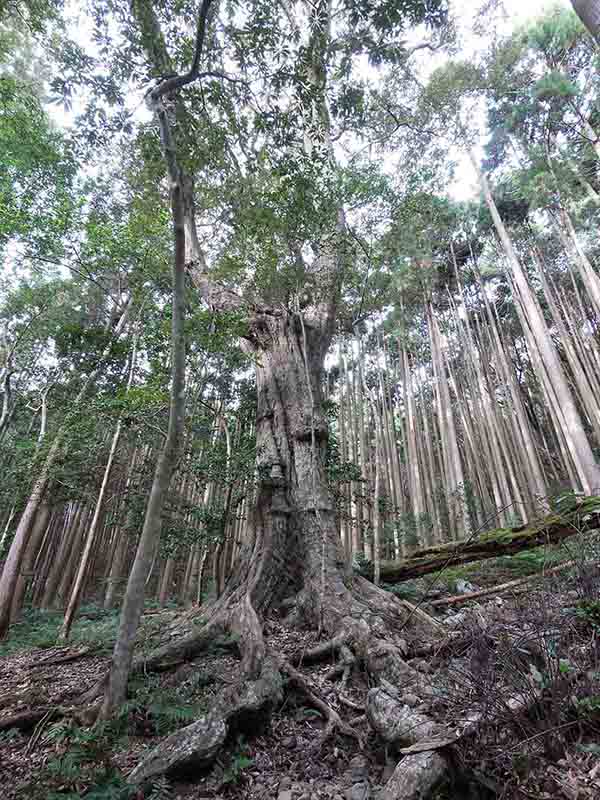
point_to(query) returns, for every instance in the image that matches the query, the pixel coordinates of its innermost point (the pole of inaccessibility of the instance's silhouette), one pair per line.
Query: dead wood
(65, 659)
(501, 587)
(491, 544)
(27, 720)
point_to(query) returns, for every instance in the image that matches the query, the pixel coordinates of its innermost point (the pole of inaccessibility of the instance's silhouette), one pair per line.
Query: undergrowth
(39, 629)
(94, 628)
(79, 764)
(156, 710)
(81, 760)
(529, 675)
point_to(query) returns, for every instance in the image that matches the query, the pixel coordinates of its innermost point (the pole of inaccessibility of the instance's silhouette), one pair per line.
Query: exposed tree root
(363, 624)
(243, 707)
(347, 661)
(321, 651)
(26, 720)
(450, 641)
(334, 721)
(396, 723)
(335, 672)
(183, 648)
(345, 701)
(362, 620)
(388, 605)
(416, 777)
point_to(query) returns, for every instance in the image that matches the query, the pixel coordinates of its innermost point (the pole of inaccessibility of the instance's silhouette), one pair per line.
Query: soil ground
(56, 756)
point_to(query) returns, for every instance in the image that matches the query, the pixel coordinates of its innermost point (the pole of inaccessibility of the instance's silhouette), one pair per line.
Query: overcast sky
(517, 12)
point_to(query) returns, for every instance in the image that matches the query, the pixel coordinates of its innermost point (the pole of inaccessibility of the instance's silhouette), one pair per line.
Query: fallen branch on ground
(334, 721)
(26, 720)
(501, 587)
(65, 659)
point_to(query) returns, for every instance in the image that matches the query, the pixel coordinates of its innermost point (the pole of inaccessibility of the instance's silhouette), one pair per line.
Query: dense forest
(299, 399)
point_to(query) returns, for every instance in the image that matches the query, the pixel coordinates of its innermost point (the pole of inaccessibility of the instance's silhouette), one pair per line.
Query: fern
(9, 735)
(113, 788)
(161, 789)
(166, 715)
(57, 731)
(240, 761)
(165, 708)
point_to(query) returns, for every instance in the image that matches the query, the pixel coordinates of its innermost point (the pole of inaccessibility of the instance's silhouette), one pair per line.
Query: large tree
(294, 553)
(588, 12)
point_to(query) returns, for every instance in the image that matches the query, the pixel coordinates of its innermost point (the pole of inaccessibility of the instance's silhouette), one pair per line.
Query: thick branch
(174, 82)
(215, 294)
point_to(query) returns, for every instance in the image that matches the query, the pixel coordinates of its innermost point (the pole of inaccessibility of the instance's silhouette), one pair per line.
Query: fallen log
(553, 529)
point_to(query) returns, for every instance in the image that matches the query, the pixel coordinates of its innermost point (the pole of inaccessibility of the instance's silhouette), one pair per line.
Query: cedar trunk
(296, 544)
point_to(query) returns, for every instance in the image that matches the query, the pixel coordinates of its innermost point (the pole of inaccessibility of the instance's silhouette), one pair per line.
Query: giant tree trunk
(294, 553)
(294, 515)
(588, 12)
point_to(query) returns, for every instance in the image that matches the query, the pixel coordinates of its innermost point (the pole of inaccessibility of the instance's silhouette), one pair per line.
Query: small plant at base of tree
(240, 762)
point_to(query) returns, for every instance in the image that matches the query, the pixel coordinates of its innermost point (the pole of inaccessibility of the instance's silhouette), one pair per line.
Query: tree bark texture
(588, 12)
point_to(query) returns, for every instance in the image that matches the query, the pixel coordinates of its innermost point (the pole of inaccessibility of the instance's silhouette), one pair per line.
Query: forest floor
(537, 642)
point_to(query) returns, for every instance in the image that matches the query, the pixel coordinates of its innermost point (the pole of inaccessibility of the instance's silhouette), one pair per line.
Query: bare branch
(422, 46)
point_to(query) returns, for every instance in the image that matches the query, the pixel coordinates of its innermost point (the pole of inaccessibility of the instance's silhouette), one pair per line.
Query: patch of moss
(451, 575)
(497, 535)
(405, 591)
